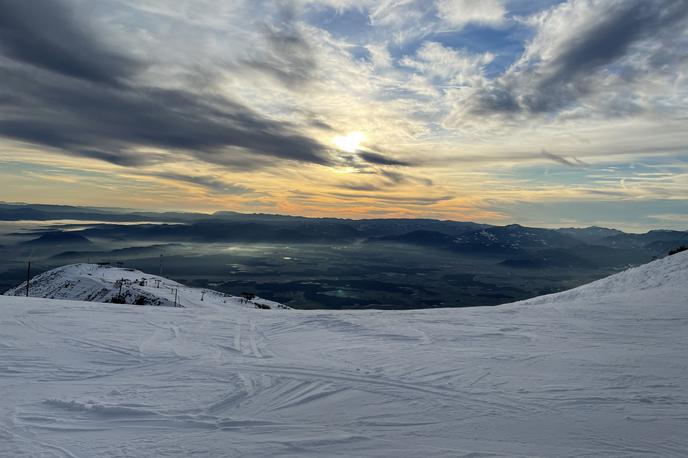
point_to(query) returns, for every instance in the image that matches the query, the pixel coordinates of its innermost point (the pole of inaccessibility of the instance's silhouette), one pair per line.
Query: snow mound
(106, 283)
(669, 273)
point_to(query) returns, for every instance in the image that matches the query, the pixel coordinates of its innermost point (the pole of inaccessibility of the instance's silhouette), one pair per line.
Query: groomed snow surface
(597, 371)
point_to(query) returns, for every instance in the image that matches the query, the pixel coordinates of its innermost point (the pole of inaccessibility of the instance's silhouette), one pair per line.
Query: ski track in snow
(597, 371)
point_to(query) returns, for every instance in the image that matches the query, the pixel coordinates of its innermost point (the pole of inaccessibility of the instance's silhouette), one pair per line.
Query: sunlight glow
(349, 143)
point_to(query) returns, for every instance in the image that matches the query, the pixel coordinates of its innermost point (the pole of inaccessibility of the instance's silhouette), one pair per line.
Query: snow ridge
(106, 283)
(670, 272)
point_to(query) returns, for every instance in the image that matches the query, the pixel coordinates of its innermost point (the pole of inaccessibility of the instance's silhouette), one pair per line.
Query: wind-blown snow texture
(601, 370)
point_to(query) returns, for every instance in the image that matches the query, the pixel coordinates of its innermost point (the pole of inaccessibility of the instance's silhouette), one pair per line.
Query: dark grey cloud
(385, 198)
(552, 84)
(88, 103)
(290, 60)
(379, 159)
(76, 116)
(289, 56)
(495, 98)
(603, 192)
(402, 178)
(571, 162)
(320, 124)
(394, 177)
(212, 184)
(385, 180)
(122, 158)
(624, 23)
(366, 187)
(46, 34)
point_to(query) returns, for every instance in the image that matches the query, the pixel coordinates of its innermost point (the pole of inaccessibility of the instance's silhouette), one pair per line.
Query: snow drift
(595, 371)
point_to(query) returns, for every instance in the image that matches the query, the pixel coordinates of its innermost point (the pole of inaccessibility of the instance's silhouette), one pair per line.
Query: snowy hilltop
(668, 275)
(600, 370)
(106, 283)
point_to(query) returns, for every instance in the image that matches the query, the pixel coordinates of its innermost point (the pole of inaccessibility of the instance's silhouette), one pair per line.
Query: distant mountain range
(58, 238)
(513, 246)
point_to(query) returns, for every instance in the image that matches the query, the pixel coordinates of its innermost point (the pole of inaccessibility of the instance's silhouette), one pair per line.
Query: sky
(538, 112)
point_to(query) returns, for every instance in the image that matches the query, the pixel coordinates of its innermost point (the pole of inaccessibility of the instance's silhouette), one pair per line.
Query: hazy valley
(326, 263)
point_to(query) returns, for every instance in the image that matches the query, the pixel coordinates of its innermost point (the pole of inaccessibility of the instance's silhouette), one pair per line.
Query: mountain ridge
(111, 284)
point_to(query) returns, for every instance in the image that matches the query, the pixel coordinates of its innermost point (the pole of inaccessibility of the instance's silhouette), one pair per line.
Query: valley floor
(603, 374)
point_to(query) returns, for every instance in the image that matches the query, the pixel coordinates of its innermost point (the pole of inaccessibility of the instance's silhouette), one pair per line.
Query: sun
(349, 143)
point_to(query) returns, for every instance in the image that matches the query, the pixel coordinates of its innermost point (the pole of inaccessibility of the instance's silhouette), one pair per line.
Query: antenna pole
(28, 278)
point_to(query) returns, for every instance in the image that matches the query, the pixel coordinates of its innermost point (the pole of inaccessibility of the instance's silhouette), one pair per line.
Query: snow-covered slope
(669, 273)
(106, 283)
(598, 371)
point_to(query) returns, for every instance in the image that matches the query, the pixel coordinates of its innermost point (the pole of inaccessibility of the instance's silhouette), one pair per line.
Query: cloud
(574, 49)
(448, 65)
(289, 56)
(368, 187)
(222, 94)
(46, 34)
(214, 185)
(386, 180)
(121, 158)
(459, 13)
(401, 178)
(379, 159)
(403, 200)
(76, 104)
(571, 162)
(395, 12)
